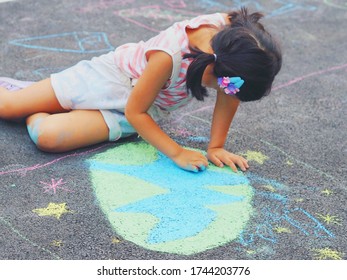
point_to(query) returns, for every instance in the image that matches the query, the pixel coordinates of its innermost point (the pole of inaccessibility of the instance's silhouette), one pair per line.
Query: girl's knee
(44, 134)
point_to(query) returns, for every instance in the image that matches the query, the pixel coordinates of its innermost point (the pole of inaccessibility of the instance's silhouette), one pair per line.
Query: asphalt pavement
(126, 201)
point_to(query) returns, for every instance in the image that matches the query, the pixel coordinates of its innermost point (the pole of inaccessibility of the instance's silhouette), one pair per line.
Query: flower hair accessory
(230, 85)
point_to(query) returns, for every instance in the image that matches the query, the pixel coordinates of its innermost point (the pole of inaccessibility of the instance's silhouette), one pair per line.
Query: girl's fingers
(216, 161)
(202, 167)
(232, 165)
(244, 163)
(195, 167)
(233, 162)
(204, 160)
(241, 164)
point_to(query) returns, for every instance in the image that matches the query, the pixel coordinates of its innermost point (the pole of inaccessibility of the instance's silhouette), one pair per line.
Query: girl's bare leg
(51, 127)
(67, 131)
(39, 97)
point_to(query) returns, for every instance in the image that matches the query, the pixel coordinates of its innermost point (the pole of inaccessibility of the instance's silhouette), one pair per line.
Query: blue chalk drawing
(199, 139)
(278, 212)
(73, 42)
(259, 179)
(289, 6)
(182, 211)
(185, 203)
(45, 72)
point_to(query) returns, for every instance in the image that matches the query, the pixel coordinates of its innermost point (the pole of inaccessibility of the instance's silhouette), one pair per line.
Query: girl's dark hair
(244, 49)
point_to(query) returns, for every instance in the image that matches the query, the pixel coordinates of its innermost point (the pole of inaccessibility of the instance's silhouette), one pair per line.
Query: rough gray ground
(300, 127)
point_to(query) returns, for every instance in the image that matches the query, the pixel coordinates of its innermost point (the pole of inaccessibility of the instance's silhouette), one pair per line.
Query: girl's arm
(224, 111)
(154, 77)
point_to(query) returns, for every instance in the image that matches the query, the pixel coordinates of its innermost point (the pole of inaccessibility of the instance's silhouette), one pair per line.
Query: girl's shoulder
(216, 20)
(201, 30)
(226, 18)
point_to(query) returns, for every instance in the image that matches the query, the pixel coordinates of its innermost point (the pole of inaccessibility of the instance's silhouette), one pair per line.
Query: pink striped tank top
(131, 58)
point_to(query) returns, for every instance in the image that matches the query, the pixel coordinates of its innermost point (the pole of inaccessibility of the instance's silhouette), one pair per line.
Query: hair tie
(215, 57)
(230, 85)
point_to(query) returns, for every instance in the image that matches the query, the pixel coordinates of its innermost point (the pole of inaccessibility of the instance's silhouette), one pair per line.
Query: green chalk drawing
(134, 186)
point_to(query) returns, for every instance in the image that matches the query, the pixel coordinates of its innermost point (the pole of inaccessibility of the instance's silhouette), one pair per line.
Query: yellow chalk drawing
(57, 243)
(250, 252)
(269, 188)
(328, 219)
(299, 200)
(255, 156)
(279, 229)
(327, 254)
(289, 163)
(53, 209)
(115, 240)
(327, 192)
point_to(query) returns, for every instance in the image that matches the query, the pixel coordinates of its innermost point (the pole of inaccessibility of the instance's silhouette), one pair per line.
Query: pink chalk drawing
(154, 17)
(23, 171)
(176, 4)
(9, 168)
(102, 5)
(54, 186)
(299, 79)
(183, 132)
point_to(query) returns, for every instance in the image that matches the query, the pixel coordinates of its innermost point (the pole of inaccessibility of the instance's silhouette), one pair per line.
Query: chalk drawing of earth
(151, 202)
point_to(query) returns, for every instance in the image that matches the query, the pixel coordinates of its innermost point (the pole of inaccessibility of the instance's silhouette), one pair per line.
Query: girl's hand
(220, 157)
(190, 160)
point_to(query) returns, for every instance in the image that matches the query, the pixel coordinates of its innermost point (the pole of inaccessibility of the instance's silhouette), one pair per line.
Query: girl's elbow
(135, 114)
(128, 113)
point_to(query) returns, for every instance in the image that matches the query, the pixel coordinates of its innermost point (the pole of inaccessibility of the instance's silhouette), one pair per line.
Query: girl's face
(208, 78)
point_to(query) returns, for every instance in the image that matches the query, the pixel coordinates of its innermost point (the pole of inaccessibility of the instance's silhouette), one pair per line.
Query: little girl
(126, 91)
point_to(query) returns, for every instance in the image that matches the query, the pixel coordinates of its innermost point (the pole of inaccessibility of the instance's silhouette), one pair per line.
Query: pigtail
(195, 72)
